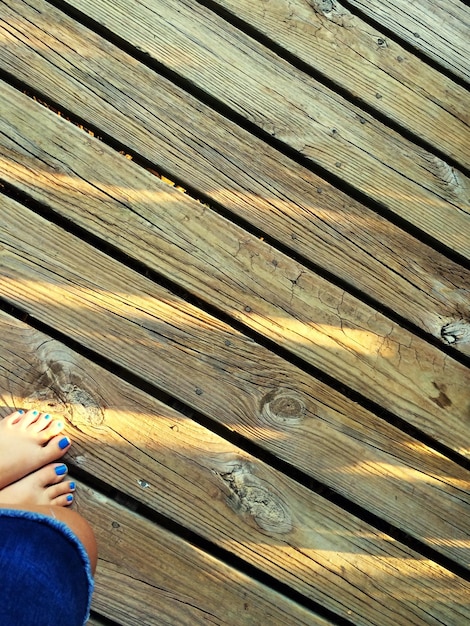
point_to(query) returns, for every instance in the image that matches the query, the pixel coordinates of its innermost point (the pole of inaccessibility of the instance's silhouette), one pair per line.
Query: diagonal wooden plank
(417, 186)
(279, 298)
(304, 212)
(297, 110)
(219, 372)
(439, 28)
(368, 64)
(146, 575)
(169, 463)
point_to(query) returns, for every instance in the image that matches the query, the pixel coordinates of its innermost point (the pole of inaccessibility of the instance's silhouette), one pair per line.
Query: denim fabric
(45, 573)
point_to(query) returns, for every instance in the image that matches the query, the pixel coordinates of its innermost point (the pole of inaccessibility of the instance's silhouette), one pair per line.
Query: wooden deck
(235, 256)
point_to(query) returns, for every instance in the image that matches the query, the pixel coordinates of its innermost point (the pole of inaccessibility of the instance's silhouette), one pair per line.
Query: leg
(76, 523)
(48, 573)
(48, 491)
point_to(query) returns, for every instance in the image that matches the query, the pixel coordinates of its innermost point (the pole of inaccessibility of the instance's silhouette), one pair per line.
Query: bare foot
(29, 440)
(45, 486)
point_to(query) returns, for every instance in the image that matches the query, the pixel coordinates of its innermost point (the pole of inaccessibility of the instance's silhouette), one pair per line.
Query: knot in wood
(249, 495)
(283, 407)
(442, 400)
(83, 407)
(58, 386)
(456, 332)
(322, 6)
(332, 11)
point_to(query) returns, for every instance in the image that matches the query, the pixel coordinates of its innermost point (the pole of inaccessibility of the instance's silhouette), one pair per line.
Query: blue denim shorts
(45, 572)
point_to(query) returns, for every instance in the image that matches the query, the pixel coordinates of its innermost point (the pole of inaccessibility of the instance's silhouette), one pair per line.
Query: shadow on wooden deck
(264, 368)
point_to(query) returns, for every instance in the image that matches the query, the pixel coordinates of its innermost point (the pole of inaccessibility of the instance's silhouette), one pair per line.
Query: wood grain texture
(284, 103)
(203, 363)
(169, 463)
(297, 110)
(267, 291)
(229, 446)
(368, 64)
(439, 28)
(282, 199)
(146, 575)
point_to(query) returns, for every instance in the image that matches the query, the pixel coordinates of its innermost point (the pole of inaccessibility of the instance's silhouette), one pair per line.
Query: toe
(51, 474)
(29, 418)
(14, 418)
(60, 471)
(65, 500)
(62, 494)
(43, 422)
(56, 447)
(47, 428)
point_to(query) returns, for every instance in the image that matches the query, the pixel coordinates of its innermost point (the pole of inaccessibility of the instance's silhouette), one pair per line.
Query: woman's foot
(28, 441)
(44, 487)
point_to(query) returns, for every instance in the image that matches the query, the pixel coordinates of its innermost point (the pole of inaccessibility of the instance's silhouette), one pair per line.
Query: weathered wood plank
(297, 110)
(203, 362)
(258, 85)
(146, 575)
(371, 66)
(125, 437)
(439, 28)
(304, 212)
(219, 262)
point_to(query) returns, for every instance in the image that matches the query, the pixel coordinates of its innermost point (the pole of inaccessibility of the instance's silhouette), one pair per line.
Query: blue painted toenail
(47, 416)
(70, 498)
(72, 486)
(63, 443)
(60, 470)
(20, 411)
(34, 412)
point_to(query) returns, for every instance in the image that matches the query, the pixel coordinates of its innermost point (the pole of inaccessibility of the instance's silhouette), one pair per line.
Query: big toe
(55, 448)
(48, 475)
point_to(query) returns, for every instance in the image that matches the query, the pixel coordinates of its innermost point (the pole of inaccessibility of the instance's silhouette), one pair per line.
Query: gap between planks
(302, 306)
(307, 217)
(203, 362)
(290, 107)
(123, 436)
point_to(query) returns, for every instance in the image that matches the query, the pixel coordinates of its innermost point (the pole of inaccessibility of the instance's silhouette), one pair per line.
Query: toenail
(47, 416)
(64, 442)
(72, 486)
(20, 411)
(60, 470)
(34, 412)
(70, 498)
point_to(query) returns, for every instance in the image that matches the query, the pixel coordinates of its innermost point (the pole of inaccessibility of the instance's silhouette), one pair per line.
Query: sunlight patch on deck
(327, 335)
